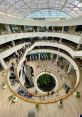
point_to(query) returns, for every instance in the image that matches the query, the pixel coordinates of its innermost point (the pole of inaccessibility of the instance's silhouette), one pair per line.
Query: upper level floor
(18, 36)
(9, 28)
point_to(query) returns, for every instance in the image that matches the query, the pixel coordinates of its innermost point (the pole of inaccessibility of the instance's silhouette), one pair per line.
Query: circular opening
(46, 82)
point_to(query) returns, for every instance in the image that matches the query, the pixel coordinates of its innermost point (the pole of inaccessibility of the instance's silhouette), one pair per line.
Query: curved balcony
(75, 54)
(10, 37)
(49, 100)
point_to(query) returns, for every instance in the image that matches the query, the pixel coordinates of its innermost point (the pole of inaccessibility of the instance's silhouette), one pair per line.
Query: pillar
(60, 41)
(39, 56)
(37, 28)
(51, 56)
(24, 29)
(78, 46)
(13, 43)
(30, 57)
(69, 69)
(62, 29)
(8, 28)
(57, 58)
(9, 31)
(3, 63)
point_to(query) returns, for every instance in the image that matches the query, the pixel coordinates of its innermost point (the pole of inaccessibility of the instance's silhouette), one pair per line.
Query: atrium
(40, 58)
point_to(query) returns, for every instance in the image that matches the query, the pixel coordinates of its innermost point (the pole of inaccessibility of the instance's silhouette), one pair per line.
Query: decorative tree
(37, 106)
(77, 94)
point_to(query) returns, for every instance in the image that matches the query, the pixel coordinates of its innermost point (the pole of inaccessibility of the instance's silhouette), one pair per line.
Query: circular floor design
(43, 98)
(36, 86)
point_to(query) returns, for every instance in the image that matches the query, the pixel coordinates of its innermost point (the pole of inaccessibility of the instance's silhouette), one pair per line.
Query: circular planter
(48, 81)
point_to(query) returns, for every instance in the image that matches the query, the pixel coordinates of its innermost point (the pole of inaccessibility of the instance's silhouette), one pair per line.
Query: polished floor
(72, 106)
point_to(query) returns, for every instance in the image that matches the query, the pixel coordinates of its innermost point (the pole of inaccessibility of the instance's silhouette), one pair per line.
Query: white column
(51, 56)
(39, 56)
(30, 57)
(13, 43)
(78, 46)
(69, 69)
(60, 40)
(62, 29)
(3, 63)
(8, 28)
(37, 29)
(57, 58)
(24, 29)
(9, 31)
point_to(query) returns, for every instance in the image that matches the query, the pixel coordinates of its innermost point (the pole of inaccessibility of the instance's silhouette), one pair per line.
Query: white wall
(10, 37)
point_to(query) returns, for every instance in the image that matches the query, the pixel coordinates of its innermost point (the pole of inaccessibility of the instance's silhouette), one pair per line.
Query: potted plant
(77, 94)
(60, 103)
(14, 99)
(37, 106)
(10, 97)
(3, 73)
(4, 85)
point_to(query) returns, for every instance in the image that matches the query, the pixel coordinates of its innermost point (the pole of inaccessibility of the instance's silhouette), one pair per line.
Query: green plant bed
(46, 82)
(37, 106)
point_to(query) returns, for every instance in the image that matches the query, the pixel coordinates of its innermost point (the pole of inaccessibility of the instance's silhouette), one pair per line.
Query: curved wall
(76, 54)
(10, 37)
(54, 52)
(12, 50)
(58, 45)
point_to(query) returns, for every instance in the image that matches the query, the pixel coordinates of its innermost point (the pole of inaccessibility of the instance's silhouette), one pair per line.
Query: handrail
(10, 37)
(58, 98)
(71, 52)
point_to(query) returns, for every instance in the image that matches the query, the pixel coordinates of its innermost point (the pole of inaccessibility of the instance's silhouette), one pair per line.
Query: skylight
(48, 14)
(42, 8)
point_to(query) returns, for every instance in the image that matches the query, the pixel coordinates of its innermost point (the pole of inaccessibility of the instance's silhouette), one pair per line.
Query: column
(57, 58)
(39, 56)
(78, 46)
(60, 41)
(24, 29)
(9, 31)
(13, 43)
(3, 63)
(8, 28)
(51, 56)
(69, 69)
(37, 28)
(30, 57)
(62, 29)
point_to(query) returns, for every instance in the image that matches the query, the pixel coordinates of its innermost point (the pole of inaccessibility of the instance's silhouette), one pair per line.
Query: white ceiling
(29, 8)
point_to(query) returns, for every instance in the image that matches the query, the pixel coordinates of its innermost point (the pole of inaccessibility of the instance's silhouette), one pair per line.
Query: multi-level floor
(30, 48)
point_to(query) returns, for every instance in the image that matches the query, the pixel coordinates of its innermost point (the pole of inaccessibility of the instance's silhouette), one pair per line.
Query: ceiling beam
(11, 5)
(64, 4)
